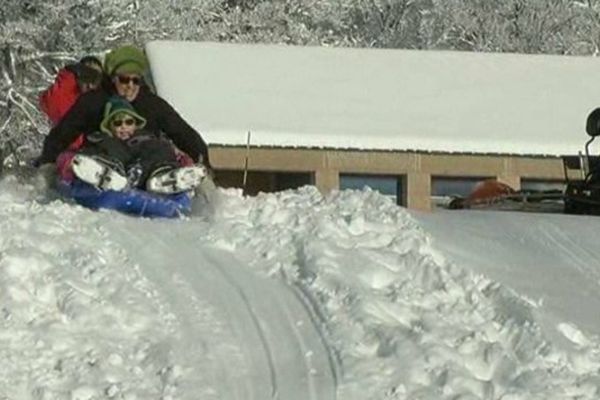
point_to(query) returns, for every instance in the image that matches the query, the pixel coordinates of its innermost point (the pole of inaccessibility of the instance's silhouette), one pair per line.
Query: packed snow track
(250, 337)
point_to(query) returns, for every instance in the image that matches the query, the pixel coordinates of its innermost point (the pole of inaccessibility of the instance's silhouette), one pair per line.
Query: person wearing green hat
(123, 155)
(126, 67)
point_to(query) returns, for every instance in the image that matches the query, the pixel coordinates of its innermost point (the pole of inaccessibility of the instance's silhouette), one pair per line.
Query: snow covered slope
(553, 260)
(293, 296)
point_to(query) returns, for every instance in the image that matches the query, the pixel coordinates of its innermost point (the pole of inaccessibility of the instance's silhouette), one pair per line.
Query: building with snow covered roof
(409, 123)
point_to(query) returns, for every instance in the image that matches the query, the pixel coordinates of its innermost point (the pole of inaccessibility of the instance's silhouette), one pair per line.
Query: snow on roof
(379, 99)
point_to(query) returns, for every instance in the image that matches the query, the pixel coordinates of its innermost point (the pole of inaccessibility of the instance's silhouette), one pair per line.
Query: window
(263, 181)
(540, 185)
(291, 180)
(387, 185)
(454, 186)
(444, 189)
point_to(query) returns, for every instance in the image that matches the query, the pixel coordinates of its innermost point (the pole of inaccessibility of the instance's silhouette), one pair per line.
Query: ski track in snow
(272, 345)
(281, 296)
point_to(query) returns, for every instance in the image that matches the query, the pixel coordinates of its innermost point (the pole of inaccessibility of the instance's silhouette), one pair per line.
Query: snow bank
(401, 318)
(405, 322)
(78, 319)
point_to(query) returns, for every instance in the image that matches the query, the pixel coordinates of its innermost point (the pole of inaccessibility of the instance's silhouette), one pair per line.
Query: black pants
(137, 157)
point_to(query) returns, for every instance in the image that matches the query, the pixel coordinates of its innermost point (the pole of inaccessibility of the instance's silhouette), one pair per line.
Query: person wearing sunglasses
(125, 67)
(127, 85)
(122, 155)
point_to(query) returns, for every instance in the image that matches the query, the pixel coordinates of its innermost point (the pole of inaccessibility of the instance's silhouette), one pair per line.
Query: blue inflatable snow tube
(132, 201)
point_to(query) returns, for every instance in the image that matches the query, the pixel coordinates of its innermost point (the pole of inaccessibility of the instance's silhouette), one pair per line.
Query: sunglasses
(136, 80)
(127, 122)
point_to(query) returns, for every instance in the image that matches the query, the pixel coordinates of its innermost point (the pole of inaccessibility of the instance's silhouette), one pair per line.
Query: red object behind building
(488, 190)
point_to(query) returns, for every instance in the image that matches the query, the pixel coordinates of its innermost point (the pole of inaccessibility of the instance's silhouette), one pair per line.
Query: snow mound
(404, 322)
(80, 318)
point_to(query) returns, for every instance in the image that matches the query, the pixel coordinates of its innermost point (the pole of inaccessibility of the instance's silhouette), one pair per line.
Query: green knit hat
(117, 105)
(125, 60)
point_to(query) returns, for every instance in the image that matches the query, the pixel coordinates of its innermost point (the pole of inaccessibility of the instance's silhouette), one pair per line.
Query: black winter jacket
(86, 114)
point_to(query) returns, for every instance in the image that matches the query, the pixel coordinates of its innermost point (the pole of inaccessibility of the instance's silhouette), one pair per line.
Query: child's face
(122, 126)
